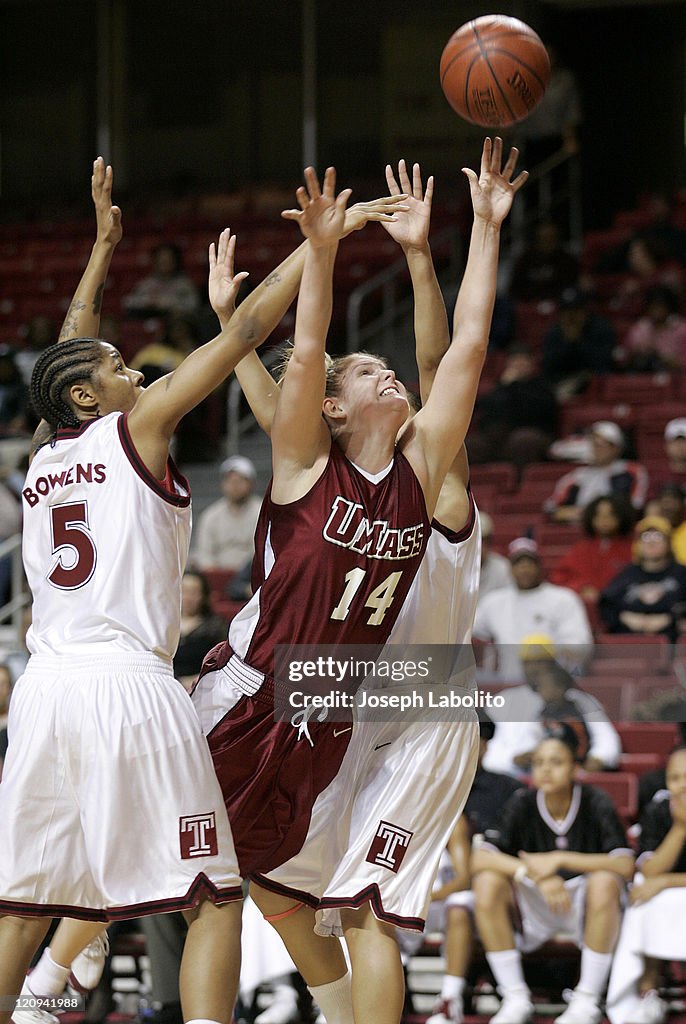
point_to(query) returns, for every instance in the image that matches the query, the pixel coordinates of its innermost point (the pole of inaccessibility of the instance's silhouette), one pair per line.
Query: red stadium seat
(637, 388)
(648, 737)
(654, 649)
(500, 473)
(621, 787)
(615, 693)
(639, 764)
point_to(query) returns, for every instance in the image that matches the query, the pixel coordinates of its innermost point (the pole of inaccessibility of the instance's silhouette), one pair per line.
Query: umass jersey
(335, 566)
(591, 825)
(104, 544)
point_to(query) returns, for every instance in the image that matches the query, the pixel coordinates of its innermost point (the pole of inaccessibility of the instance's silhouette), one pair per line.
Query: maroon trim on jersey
(285, 890)
(450, 535)
(163, 488)
(201, 887)
(69, 433)
(372, 895)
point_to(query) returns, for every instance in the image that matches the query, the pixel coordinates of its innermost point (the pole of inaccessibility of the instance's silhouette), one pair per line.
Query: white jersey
(105, 544)
(441, 604)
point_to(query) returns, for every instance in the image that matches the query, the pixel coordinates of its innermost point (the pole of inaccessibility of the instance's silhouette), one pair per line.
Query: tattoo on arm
(273, 278)
(97, 298)
(42, 435)
(70, 325)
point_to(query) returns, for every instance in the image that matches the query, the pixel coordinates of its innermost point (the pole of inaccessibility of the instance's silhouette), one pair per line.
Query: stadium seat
(500, 473)
(639, 764)
(648, 737)
(615, 693)
(637, 388)
(654, 649)
(621, 787)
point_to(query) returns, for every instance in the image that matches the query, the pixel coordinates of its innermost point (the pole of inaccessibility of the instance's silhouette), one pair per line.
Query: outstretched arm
(410, 229)
(437, 433)
(83, 316)
(299, 435)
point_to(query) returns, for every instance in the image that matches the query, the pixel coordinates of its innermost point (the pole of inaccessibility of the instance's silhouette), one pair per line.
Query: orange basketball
(494, 71)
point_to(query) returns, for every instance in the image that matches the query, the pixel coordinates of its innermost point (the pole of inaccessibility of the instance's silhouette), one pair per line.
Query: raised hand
(493, 190)
(384, 210)
(223, 284)
(321, 216)
(410, 227)
(108, 217)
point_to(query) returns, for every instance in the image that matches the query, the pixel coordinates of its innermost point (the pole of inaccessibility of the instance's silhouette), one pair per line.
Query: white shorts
(109, 804)
(653, 929)
(539, 923)
(377, 832)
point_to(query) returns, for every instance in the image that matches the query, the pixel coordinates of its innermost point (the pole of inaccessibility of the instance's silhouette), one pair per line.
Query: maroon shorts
(270, 772)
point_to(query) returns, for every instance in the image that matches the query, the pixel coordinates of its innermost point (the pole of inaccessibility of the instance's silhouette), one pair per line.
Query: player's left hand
(108, 217)
(410, 228)
(385, 210)
(321, 216)
(493, 190)
(223, 284)
(645, 890)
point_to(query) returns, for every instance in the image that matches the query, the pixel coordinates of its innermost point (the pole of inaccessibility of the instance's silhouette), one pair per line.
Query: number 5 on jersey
(379, 599)
(69, 531)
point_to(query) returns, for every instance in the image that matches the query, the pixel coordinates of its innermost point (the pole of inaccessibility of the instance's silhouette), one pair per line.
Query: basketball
(494, 71)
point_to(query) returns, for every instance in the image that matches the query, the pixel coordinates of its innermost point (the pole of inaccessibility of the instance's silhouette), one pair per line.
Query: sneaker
(87, 967)
(516, 1008)
(583, 1008)
(283, 1008)
(31, 1015)
(447, 1011)
(652, 1009)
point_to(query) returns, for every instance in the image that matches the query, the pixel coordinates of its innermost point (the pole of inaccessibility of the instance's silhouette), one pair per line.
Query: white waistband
(99, 661)
(244, 676)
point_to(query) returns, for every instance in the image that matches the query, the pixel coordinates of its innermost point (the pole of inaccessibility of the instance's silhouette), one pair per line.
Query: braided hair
(56, 369)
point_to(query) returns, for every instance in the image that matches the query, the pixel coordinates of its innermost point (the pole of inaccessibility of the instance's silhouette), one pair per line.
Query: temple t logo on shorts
(198, 834)
(389, 846)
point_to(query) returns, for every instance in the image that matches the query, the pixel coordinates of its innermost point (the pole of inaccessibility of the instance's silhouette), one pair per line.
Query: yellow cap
(537, 647)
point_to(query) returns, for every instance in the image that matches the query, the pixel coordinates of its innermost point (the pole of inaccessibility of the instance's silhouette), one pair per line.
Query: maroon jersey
(335, 566)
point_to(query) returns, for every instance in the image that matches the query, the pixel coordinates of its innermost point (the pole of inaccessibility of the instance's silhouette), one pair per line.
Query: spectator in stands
(563, 856)
(606, 473)
(650, 263)
(657, 341)
(549, 694)
(650, 783)
(158, 358)
(578, 346)
(517, 418)
(167, 289)
(592, 562)
(200, 628)
(545, 269)
(670, 503)
(495, 568)
(600, 747)
(225, 532)
(452, 905)
(654, 926)
(532, 605)
(5, 693)
(648, 596)
(675, 448)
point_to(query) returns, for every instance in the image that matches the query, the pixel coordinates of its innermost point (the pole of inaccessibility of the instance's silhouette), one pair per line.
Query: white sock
(335, 1000)
(452, 987)
(48, 978)
(595, 968)
(507, 971)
